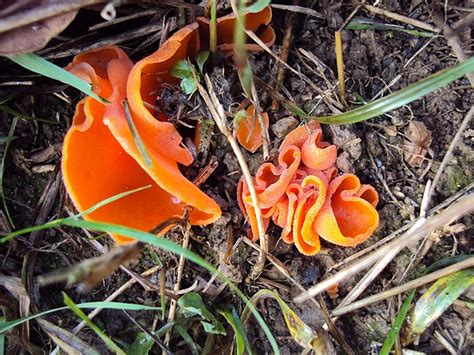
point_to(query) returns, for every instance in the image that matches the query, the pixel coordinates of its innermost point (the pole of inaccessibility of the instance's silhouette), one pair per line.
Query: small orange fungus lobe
(304, 196)
(249, 130)
(100, 154)
(257, 22)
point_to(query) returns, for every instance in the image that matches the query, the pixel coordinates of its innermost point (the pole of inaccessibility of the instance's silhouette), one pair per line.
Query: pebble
(284, 126)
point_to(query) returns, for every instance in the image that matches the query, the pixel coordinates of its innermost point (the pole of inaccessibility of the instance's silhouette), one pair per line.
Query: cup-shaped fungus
(304, 196)
(349, 216)
(249, 130)
(101, 153)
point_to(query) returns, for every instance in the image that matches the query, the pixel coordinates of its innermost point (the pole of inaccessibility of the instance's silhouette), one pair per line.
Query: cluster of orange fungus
(100, 154)
(304, 195)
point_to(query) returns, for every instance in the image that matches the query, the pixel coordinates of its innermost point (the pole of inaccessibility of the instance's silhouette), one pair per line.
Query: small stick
(43, 12)
(406, 287)
(330, 324)
(333, 104)
(454, 42)
(212, 4)
(206, 171)
(404, 228)
(464, 22)
(157, 340)
(340, 66)
(115, 294)
(173, 305)
(445, 343)
(376, 270)
(401, 18)
(299, 9)
(449, 152)
(461, 208)
(352, 14)
(285, 48)
(258, 112)
(217, 112)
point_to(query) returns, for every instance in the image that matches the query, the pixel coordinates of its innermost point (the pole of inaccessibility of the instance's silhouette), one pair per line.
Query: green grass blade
(6, 139)
(241, 339)
(397, 324)
(241, 58)
(136, 136)
(110, 200)
(177, 249)
(52, 224)
(100, 333)
(212, 30)
(400, 318)
(15, 113)
(395, 100)
(8, 325)
(2, 338)
(257, 6)
(58, 222)
(431, 305)
(301, 333)
(141, 345)
(360, 24)
(187, 339)
(41, 66)
(445, 262)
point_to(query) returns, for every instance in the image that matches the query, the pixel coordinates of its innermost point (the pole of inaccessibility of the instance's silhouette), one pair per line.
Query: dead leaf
(417, 144)
(70, 343)
(88, 273)
(17, 289)
(32, 37)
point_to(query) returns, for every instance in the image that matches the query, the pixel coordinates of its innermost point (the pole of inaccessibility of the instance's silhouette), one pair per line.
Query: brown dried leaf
(70, 343)
(32, 37)
(417, 143)
(17, 289)
(88, 273)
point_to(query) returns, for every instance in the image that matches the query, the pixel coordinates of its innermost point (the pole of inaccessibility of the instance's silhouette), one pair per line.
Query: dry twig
(320, 303)
(285, 49)
(299, 9)
(401, 18)
(406, 287)
(465, 191)
(454, 42)
(186, 229)
(464, 124)
(461, 208)
(332, 104)
(217, 112)
(36, 14)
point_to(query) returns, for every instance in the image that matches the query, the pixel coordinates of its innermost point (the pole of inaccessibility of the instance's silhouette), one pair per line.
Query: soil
(373, 150)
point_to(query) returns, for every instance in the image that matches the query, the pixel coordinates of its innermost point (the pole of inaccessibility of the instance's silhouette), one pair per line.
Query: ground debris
(417, 143)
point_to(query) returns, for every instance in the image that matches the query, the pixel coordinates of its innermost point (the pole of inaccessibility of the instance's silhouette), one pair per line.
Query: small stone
(344, 163)
(346, 138)
(284, 126)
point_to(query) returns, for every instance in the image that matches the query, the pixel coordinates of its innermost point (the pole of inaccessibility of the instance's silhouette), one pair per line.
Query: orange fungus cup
(303, 195)
(249, 130)
(101, 157)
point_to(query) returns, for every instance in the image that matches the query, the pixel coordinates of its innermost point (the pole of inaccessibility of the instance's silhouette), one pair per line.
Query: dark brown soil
(372, 150)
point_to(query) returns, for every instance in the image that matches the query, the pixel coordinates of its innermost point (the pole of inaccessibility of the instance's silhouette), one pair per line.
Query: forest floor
(379, 151)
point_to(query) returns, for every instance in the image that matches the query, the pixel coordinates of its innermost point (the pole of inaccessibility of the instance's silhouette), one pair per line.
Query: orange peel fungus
(249, 130)
(100, 154)
(303, 195)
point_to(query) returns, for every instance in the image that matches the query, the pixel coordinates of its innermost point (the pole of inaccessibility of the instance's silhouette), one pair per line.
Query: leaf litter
(367, 59)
